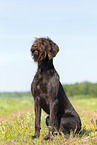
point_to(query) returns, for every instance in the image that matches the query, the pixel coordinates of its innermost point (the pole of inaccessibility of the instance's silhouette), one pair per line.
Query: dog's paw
(48, 138)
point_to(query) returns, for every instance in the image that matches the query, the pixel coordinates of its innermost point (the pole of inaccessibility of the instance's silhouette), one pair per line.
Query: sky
(71, 24)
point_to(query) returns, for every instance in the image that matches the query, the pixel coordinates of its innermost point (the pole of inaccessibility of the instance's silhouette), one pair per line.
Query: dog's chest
(39, 84)
(44, 88)
(40, 90)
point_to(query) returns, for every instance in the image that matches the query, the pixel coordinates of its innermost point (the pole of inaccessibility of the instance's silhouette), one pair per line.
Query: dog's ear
(53, 49)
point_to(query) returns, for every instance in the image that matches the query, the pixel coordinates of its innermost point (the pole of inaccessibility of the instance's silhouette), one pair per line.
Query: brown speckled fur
(49, 94)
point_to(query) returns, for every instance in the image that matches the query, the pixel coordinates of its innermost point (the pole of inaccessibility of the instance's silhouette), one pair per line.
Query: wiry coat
(49, 94)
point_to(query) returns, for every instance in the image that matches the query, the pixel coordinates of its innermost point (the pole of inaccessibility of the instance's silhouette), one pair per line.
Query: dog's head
(43, 48)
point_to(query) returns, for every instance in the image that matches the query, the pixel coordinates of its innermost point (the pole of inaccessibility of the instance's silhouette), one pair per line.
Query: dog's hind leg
(68, 124)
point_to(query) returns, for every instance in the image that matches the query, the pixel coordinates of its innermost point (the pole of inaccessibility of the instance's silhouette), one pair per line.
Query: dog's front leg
(53, 121)
(37, 117)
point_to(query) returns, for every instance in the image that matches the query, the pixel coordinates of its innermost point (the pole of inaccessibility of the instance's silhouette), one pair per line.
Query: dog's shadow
(86, 132)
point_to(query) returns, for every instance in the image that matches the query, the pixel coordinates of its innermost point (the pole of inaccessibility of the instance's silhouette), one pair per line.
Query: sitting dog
(49, 94)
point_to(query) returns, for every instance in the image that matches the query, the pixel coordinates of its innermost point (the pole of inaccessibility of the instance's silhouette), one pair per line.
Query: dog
(49, 94)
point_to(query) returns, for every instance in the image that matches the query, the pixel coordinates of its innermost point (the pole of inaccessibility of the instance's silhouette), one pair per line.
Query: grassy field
(17, 121)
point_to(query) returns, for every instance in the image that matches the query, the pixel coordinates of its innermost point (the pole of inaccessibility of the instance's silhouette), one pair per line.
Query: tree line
(85, 88)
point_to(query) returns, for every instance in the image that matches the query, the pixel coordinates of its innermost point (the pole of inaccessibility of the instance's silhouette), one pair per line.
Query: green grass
(17, 129)
(9, 105)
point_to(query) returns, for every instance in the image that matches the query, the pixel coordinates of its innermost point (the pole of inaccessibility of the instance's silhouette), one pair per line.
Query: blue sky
(71, 24)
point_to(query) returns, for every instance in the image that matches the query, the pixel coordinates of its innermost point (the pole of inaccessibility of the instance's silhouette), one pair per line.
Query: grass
(17, 122)
(11, 102)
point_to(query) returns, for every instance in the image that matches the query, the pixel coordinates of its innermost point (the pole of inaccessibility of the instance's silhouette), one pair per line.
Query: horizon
(29, 91)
